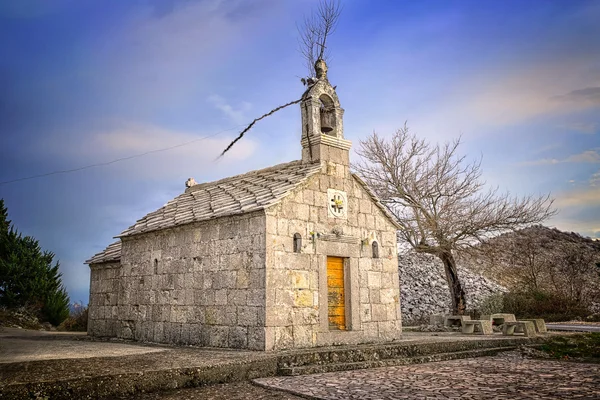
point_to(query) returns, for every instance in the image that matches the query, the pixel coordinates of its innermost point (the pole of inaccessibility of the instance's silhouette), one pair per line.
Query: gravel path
(506, 376)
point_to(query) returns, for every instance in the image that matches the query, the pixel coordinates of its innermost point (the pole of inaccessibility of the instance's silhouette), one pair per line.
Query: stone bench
(540, 324)
(484, 327)
(509, 328)
(455, 320)
(499, 319)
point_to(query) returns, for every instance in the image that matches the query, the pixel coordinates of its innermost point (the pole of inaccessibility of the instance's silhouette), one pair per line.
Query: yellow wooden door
(335, 293)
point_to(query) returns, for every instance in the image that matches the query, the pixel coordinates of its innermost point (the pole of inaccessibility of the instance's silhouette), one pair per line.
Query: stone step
(127, 385)
(348, 366)
(375, 353)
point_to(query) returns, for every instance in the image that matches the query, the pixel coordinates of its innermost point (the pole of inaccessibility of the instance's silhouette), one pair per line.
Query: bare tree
(574, 273)
(440, 200)
(315, 30)
(540, 262)
(522, 258)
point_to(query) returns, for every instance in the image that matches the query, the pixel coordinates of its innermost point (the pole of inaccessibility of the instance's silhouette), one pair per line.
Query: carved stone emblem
(337, 204)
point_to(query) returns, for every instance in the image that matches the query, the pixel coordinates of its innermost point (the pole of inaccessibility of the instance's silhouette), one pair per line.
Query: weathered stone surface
(424, 290)
(160, 304)
(218, 264)
(504, 376)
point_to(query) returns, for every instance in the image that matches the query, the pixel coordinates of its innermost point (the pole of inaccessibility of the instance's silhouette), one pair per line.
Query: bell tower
(322, 122)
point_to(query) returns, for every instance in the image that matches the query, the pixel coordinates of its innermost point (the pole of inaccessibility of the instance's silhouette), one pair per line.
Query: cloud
(589, 96)
(238, 116)
(585, 197)
(589, 156)
(148, 151)
(595, 179)
(523, 95)
(585, 227)
(588, 128)
(156, 61)
(579, 208)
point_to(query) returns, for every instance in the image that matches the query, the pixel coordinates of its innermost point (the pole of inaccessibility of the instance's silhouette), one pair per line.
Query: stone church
(297, 255)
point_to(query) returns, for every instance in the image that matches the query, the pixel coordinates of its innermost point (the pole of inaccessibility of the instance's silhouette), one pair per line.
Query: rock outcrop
(424, 291)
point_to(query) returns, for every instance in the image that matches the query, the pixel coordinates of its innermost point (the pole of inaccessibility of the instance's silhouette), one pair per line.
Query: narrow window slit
(375, 247)
(297, 243)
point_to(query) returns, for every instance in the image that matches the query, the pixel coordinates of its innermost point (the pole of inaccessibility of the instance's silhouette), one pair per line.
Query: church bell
(327, 122)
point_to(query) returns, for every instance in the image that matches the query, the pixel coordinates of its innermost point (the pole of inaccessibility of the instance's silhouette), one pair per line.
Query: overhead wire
(100, 164)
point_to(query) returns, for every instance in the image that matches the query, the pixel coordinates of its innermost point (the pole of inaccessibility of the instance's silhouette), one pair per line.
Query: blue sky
(90, 81)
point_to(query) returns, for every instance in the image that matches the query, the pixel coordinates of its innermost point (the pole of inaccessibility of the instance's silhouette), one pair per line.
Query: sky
(104, 84)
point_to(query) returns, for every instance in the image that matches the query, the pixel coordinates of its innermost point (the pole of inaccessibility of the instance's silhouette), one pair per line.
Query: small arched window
(297, 243)
(375, 247)
(155, 266)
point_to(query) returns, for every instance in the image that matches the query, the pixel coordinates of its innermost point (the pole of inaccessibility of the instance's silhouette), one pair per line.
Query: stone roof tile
(111, 254)
(239, 194)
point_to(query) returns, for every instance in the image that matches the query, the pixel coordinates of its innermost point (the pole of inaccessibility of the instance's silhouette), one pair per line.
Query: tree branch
(254, 122)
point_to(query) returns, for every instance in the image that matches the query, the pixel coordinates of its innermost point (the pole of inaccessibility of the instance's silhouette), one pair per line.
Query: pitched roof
(238, 194)
(111, 254)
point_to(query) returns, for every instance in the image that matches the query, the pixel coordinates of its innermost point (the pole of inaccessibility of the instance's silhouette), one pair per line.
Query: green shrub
(539, 304)
(586, 346)
(77, 321)
(29, 277)
(56, 307)
(492, 304)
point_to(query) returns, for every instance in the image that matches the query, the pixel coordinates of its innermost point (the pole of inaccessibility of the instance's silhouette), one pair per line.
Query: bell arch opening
(327, 115)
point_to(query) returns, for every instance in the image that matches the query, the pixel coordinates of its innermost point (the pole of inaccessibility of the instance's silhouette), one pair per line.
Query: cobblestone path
(226, 391)
(506, 376)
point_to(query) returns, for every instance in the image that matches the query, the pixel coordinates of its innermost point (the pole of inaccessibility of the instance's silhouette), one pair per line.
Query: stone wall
(199, 284)
(296, 311)
(424, 290)
(104, 294)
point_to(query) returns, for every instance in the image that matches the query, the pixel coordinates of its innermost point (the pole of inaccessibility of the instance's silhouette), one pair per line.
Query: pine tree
(28, 275)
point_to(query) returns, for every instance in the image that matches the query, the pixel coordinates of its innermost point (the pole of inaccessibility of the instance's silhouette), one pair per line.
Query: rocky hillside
(534, 258)
(536, 253)
(424, 291)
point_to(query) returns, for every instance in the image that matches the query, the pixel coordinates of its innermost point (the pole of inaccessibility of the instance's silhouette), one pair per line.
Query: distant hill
(537, 258)
(538, 248)
(542, 259)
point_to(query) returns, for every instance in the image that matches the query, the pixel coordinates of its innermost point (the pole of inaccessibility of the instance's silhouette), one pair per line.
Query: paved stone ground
(31, 357)
(18, 345)
(227, 391)
(505, 376)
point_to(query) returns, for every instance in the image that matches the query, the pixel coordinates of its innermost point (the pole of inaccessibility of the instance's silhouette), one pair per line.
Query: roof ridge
(245, 174)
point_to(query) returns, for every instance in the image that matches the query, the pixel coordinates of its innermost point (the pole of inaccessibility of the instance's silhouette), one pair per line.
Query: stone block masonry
(104, 296)
(296, 307)
(201, 284)
(296, 255)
